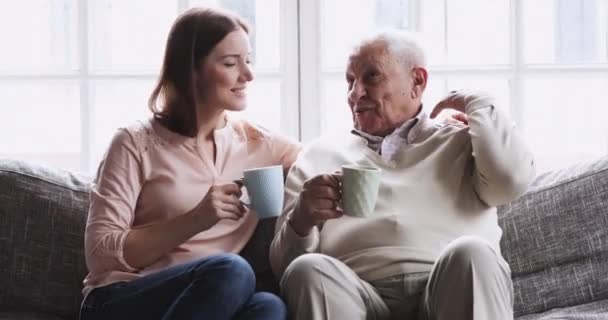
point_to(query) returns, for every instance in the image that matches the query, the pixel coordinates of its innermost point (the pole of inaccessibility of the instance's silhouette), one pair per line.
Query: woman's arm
(111, 243)
(146, 245)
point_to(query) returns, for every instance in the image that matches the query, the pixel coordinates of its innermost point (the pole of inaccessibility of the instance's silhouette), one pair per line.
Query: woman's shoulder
(141, 134)
(248, 130)
(252, 132)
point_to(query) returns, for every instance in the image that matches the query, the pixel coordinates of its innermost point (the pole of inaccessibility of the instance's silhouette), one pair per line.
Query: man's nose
(356, 92)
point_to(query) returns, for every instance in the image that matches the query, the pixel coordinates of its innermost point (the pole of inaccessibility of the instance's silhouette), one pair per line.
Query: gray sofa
(556, 241)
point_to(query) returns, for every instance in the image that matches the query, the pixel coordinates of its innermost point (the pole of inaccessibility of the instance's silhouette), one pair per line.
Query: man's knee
(470, 250)
(305, 270)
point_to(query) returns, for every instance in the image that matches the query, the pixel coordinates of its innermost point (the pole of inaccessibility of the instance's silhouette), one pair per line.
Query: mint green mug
(359, 189)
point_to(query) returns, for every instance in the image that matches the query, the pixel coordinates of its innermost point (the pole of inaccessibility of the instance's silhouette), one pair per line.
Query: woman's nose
(247, 73)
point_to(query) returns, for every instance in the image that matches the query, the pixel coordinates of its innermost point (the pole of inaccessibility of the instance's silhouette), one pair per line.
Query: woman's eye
(229, 64)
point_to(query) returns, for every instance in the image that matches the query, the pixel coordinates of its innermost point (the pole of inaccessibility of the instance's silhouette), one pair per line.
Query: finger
(323, 179)
(328, 214)
(438, 108)
(321, 204)
(237, 210)
(231, 199)
(337, 175)
(229, 215)
(324, 192)
(232, 188)
(240, 182)
(461, 117)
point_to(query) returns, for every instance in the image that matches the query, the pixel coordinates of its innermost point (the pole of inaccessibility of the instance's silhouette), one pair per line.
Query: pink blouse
(150, 174)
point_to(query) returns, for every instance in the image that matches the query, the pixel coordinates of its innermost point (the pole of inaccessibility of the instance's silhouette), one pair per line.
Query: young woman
(165, 222)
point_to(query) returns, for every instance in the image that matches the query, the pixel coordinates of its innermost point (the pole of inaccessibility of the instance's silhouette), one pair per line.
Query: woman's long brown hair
(192, 37)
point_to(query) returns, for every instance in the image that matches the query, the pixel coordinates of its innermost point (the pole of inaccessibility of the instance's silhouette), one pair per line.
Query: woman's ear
(419, 80)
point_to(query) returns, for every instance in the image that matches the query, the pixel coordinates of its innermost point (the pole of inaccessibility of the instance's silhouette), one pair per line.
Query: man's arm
(504, 167)
(287, 244)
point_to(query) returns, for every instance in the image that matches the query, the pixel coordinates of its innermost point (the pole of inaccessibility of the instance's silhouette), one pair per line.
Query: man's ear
(419, 80)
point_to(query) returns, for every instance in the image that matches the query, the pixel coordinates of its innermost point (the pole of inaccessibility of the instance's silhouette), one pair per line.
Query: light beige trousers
(469, 281)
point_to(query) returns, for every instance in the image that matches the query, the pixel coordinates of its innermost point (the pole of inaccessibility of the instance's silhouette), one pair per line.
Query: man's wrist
(301, 228)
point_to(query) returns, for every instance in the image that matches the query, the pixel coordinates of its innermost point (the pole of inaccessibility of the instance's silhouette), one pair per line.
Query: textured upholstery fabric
(256, 253)
(556, 239)
(27, 316)
(591, 311)
(42, 220)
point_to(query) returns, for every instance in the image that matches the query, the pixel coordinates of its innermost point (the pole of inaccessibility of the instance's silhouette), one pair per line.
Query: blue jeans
(216, 287)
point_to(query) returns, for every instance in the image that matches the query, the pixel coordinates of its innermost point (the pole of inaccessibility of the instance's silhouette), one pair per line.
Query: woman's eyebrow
(234, 55)
(231, 55)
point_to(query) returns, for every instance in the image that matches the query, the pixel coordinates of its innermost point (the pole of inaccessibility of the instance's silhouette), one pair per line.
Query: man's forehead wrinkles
(368, 56)
(362, 63)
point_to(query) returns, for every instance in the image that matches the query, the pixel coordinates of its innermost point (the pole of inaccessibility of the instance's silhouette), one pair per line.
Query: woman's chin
(236, 107)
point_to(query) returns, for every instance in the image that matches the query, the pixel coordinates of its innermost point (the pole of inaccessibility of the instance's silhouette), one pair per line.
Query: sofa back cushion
(556, 238)
(42, 219)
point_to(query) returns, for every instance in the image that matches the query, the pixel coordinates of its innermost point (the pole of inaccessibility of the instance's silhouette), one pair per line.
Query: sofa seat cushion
(27, 316)
(590, 311)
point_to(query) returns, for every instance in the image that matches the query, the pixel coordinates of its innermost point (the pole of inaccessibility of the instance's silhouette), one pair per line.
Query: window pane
(41, 122)
(265, 36)
(129, 35)
(345, 22)
(432, 27)
(38, 36)
(115, 104)
(564, 122)
(336, 117)
(497, 88)
(438, 88)
(566, 31)
(263, 103)
(477, 31)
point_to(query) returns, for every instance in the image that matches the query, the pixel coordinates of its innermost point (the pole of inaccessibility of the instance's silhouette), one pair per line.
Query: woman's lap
(226, 283)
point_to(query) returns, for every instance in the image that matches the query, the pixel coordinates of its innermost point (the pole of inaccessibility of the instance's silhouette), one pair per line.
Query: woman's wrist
(198, 221)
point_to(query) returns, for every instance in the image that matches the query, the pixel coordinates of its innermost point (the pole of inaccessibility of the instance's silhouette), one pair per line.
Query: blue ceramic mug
(265, 188)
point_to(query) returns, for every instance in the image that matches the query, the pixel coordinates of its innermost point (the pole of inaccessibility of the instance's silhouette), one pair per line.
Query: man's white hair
(405, 46)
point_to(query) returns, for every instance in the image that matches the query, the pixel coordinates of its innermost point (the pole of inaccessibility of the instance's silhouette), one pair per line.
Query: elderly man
(430, 250)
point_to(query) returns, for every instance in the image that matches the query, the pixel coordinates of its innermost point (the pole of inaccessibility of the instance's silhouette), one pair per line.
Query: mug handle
(241, 183)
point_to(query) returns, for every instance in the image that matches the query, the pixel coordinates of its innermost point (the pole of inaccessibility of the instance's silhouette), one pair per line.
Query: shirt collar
(407, 132)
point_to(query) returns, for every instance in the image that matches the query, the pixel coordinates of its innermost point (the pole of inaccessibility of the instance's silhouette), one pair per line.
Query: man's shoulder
(433, 128)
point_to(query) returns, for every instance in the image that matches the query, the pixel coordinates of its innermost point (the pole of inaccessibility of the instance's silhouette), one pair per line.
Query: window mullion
(289, 68)
(86, 114)
(310, 68)
(517, 60)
